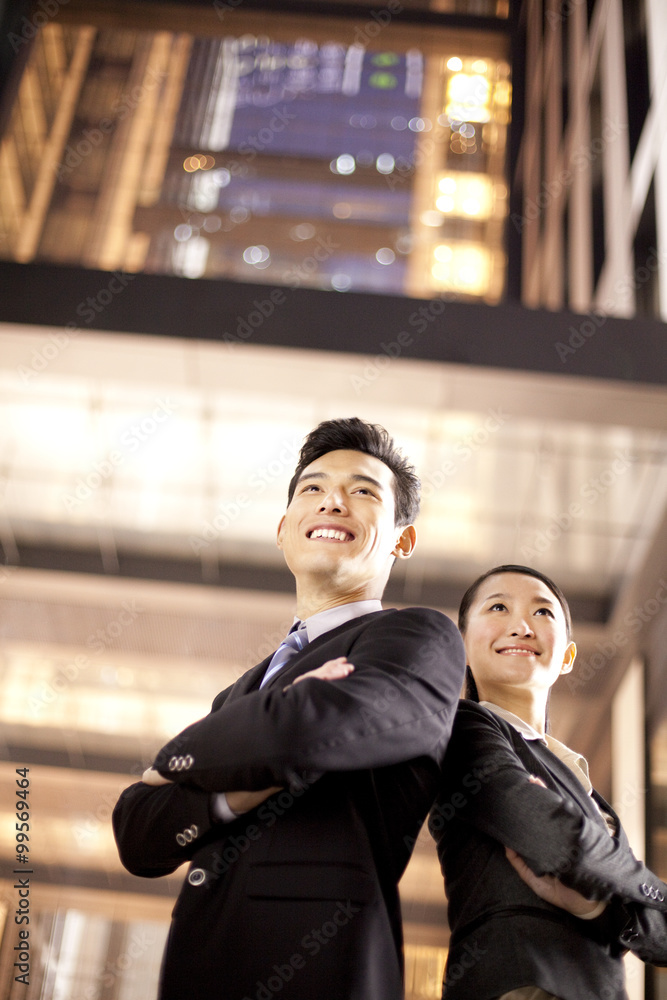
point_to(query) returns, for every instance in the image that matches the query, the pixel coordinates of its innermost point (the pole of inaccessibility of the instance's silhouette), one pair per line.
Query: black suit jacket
(299, 897)
(503, 935)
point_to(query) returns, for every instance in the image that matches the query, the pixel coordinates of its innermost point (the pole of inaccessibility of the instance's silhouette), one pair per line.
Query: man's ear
(280, 532)
(568, 659)
(405, 545)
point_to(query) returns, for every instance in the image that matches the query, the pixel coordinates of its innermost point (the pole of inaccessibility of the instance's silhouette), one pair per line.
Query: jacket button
(645, 889)
(180, 840)
(197, 876)
(173, 763)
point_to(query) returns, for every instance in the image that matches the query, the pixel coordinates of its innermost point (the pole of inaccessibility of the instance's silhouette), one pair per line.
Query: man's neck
(308, 605)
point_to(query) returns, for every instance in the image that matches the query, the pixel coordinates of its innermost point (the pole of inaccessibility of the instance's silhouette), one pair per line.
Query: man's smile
(331, 534)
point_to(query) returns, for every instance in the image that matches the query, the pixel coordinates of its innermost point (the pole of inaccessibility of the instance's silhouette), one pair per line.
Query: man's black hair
(353, 434)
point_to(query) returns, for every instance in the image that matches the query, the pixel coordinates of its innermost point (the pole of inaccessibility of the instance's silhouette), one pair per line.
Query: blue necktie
(289, 647)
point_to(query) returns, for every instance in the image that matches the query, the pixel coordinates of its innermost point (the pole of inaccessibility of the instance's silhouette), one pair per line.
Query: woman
(544, 892)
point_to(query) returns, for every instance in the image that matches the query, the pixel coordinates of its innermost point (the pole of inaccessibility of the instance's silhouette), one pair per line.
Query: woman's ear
(568, 659)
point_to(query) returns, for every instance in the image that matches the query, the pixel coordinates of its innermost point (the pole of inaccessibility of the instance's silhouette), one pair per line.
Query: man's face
(339, 527)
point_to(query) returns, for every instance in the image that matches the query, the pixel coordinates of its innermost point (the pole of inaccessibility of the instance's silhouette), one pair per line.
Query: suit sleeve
(641, 930)
(487, 780)
(398, 704)
(157, 829)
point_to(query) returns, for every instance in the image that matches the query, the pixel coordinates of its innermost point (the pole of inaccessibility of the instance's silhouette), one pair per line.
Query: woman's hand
(153, 777)
(243, 802)
(550, 888)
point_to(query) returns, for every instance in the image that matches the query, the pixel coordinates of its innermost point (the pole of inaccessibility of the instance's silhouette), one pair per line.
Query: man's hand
(551, 889)
(241, 802)
(332, 670)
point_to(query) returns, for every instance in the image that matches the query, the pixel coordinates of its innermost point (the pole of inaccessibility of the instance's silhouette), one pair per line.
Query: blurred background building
(221, 223)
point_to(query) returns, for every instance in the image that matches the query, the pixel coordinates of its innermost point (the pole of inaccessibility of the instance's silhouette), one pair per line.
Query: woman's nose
(522, 627)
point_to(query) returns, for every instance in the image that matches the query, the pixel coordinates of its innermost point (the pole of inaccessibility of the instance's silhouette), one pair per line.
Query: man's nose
(333, 501)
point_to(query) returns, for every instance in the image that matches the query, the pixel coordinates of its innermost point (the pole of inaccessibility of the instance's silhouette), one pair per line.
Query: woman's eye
(545, 611)
(498, 606)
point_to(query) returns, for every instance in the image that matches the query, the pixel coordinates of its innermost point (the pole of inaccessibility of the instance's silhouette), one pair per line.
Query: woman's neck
(530, 706)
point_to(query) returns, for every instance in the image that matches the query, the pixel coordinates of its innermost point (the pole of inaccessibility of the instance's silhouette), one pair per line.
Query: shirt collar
(575, 761)
(324, 621)
(521, 727)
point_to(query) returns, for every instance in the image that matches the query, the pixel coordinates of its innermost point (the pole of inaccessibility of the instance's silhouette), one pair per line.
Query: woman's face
(516, 634)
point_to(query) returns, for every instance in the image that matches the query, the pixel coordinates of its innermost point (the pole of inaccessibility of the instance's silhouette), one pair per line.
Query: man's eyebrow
(356, 478)
(367, 479)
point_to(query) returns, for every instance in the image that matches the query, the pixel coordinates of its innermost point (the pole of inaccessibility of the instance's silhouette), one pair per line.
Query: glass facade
(354, 156)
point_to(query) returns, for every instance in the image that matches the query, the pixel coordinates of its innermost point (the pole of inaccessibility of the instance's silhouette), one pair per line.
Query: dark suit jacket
(299, 897)
(503, 935)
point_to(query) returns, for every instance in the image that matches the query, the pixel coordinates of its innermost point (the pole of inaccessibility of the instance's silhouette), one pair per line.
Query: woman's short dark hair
(354, 434)
(469, 597)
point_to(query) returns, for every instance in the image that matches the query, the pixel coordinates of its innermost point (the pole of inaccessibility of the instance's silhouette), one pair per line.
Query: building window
(328, 154)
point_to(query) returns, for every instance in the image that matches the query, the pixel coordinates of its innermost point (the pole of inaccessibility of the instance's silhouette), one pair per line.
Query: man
(298, 896)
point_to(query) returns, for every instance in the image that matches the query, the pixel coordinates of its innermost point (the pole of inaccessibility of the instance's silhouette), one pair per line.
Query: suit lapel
(315, 653)
(250, 680)
(562, 775)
